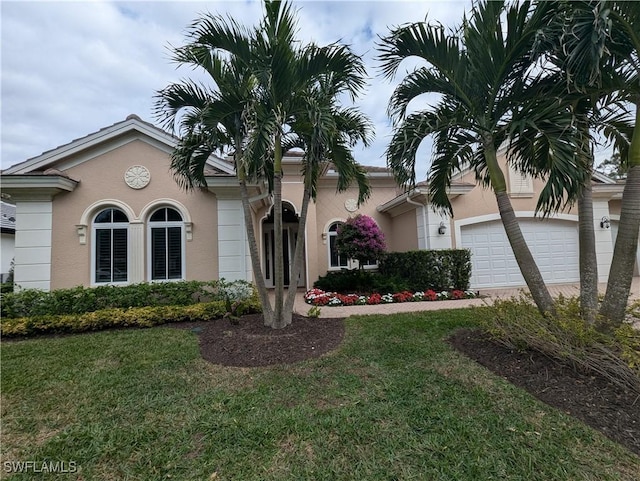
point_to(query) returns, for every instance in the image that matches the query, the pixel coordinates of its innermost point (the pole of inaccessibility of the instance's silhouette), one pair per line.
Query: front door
(289, 237)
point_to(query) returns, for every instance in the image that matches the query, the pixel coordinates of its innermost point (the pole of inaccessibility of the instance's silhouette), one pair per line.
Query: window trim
(330, 234)
(94, 245)
(149, 247)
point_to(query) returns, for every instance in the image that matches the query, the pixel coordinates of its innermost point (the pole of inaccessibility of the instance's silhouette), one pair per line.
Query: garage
(553, 243)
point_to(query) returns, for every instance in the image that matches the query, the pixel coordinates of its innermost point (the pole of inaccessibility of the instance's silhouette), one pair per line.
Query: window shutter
(174, 249)
(520, 185)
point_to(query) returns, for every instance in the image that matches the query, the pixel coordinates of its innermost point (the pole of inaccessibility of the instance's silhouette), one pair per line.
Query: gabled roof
(87, 147)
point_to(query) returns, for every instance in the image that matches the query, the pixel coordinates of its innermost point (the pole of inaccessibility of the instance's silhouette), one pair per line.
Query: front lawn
(393, 402)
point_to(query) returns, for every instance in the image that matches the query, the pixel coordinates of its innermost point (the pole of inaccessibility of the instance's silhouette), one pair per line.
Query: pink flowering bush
(318, 297)
(360, 238)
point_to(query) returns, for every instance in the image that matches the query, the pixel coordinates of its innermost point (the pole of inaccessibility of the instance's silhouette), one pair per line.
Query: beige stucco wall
(102, 178)
(330, 208)
(614, 207)
(404, 234)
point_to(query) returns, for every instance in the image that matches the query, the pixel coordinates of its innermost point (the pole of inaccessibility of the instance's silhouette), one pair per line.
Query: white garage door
(553, 243)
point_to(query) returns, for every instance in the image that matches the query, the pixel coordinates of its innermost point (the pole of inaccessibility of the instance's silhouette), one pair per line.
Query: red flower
(457, 294)
(431, 295)
(374, 299)
(403, 296)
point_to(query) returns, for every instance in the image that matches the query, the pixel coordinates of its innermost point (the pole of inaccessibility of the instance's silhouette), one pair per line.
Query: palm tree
(606, 33)
(326, 134)
(590, 101)
(212, 119)
(265, 91)
(285, 74)
(482, 74)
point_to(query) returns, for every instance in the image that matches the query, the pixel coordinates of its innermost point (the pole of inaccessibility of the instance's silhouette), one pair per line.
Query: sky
(72, 68)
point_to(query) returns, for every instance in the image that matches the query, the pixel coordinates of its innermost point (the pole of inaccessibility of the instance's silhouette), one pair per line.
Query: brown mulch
(591, 398)
(251, 344)
(588, 397)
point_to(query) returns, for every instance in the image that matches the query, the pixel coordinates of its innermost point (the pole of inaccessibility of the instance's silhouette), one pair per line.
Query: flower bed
(318, 297)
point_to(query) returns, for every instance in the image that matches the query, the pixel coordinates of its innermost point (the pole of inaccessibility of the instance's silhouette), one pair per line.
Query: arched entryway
(290, 224)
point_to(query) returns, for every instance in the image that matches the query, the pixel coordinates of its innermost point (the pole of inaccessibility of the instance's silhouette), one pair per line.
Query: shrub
(79, 300)
(360, 238)
(117, 318)
(438, 270)
(359, 280)
(517, 324)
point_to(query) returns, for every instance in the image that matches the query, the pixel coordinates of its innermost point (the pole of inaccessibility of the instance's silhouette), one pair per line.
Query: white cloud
(71, 68)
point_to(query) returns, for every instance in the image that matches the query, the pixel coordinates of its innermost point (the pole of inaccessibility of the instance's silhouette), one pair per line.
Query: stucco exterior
(59, 193)
(99, 187)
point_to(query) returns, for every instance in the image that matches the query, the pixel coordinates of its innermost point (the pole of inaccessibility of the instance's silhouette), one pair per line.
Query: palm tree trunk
(263, 294)
(586, 233)
(588, 259)
(524, 258)
(297, 258)
(624, 253)
(278, 321)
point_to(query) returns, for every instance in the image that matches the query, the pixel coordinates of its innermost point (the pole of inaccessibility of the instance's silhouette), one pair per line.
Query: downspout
(424, 220)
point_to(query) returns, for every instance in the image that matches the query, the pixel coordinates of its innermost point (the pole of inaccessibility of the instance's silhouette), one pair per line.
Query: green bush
(119, 318)
(439, 270)
(79, 300)
(359, 281)
(517, 324)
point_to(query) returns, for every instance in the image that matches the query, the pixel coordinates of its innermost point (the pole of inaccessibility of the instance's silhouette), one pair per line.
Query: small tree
(613, 167)
(360, 238)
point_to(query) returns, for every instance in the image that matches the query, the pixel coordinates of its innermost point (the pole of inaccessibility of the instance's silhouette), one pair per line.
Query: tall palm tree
(590, 99)
(211, 119)
(285, 73)
(482, 74)
(264, 88)
(606, 34)
(326, 133)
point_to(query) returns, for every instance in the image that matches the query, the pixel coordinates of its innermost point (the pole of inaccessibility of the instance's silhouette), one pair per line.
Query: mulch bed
(591, 398)
(588, 397)
(251, 344)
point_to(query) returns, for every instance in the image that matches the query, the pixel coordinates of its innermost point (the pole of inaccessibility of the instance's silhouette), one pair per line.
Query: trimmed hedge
(439, 270)
(79, 300)
(352, 281)
(119, 318)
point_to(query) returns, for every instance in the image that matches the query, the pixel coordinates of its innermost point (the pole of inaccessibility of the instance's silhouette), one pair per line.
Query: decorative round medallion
(137, 176)
(351, 205)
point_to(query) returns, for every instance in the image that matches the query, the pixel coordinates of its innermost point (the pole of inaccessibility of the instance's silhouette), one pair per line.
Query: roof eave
(409, 200)
(40, 186)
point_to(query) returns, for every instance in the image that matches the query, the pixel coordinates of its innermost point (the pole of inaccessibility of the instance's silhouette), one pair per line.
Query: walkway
(567, 290)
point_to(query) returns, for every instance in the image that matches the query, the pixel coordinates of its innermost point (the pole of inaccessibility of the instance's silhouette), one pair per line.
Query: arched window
(335, 260)
(110, 239)
(166, 245)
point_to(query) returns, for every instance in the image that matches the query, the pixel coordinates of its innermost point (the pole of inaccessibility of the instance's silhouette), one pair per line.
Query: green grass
(394, 402)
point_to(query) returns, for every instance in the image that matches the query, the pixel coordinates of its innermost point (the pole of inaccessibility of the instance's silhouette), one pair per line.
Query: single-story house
(105, 209)
(8, 234)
